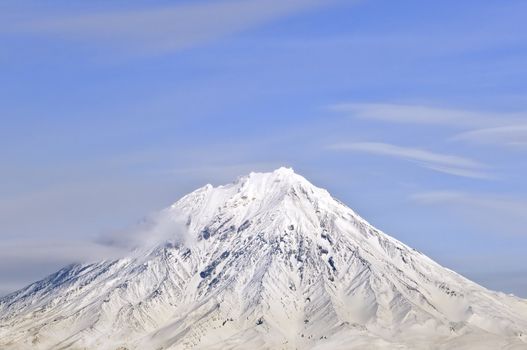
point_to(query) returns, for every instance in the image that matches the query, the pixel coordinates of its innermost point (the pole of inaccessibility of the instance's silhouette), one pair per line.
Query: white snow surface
(268, 262)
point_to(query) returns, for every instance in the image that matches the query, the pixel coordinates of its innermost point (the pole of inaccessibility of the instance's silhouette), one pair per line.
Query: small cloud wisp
(444, 163)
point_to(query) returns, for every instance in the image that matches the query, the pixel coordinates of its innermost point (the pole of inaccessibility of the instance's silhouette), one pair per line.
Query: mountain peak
(284, 171)
(282, 194)
(281, 174)
(280, 180)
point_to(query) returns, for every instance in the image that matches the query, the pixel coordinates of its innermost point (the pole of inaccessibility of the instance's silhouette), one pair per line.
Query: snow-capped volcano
(267, 262)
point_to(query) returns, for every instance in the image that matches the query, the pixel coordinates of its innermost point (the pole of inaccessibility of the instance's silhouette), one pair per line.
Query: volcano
(267, 262)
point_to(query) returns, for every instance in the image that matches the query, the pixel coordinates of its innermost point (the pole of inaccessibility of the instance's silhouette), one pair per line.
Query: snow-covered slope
(267, 262)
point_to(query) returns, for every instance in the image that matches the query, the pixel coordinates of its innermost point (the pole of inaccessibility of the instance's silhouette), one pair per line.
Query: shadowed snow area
(267, 262)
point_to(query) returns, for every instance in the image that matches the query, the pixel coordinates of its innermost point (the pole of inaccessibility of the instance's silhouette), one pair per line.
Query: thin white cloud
(495, 202)
(512, 135)
(497, 213)
(64, 251)
(167, 29)
(461, 172)
(160, 227)
(25, 261)
(419, 114)
(504, 129)
(445, 163)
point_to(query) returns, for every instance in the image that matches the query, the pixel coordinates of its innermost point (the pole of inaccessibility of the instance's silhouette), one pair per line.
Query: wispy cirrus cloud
(503, 129)
(444, 163)
(499, 213)
(420, 114)
(23, 261)
(512, 135)
(164, 29)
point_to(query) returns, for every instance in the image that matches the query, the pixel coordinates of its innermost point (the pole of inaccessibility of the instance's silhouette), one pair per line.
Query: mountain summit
(267, 262)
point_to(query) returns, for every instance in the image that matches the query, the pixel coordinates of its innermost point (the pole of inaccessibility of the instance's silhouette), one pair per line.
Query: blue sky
(413, 113)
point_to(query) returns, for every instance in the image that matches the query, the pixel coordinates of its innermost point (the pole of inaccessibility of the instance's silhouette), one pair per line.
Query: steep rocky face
(271, 262)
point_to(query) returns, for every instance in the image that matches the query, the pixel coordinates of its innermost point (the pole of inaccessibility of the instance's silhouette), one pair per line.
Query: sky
(413, 113)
